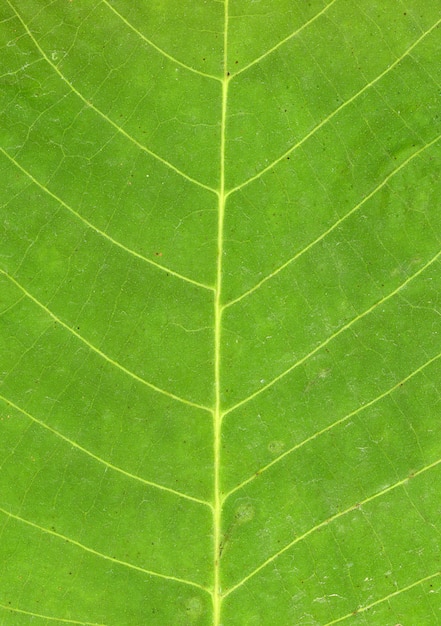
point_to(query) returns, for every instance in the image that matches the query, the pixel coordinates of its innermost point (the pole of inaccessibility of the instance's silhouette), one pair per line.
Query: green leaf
(220, 308)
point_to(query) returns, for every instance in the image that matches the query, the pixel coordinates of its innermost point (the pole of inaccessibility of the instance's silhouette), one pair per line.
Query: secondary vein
(101, 233)
(99, 459)
(107, 358)
(138, 568)
(327, 521)
(90, 105)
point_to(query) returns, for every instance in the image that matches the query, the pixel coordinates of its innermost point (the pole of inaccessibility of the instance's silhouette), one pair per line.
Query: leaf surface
(220, 310)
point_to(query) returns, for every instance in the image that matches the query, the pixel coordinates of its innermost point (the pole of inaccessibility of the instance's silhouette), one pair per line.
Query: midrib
(217, 415)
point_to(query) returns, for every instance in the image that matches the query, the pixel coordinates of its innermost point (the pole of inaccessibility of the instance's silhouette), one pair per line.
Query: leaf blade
(220, 278)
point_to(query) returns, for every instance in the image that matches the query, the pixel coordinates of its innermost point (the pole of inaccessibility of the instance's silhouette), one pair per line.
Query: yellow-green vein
(285, 40)
(101, 554)
(157, 48)
(338, 422)
(97, 458)
(103, 115)
(398, 592)
(334, 335)
(217, 415)
(101, 232)
(335, 225)
(107, 358)
(329, 520)
(334, 113)
(48, 617)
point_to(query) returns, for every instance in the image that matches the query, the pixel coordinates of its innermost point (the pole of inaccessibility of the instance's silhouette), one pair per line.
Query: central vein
(217, 421)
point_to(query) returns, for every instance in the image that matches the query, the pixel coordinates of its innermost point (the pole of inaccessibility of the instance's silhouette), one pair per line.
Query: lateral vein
(334, 226)
(48, 617)
(103, 115)
(158, 48)
(169, 394)
(97, 458)
(334, 335)
(398, 592)
(285, 40)
(333, 425)
(100, 554)
(101, 232)
(334, 113)
(327, 521)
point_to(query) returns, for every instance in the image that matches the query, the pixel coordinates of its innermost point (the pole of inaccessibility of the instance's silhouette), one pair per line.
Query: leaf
(220, 279)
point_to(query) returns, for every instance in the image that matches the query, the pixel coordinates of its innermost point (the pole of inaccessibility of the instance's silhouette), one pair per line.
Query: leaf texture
(220, 311)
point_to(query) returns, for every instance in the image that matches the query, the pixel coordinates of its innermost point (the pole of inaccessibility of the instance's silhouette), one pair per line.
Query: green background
(220, 297)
